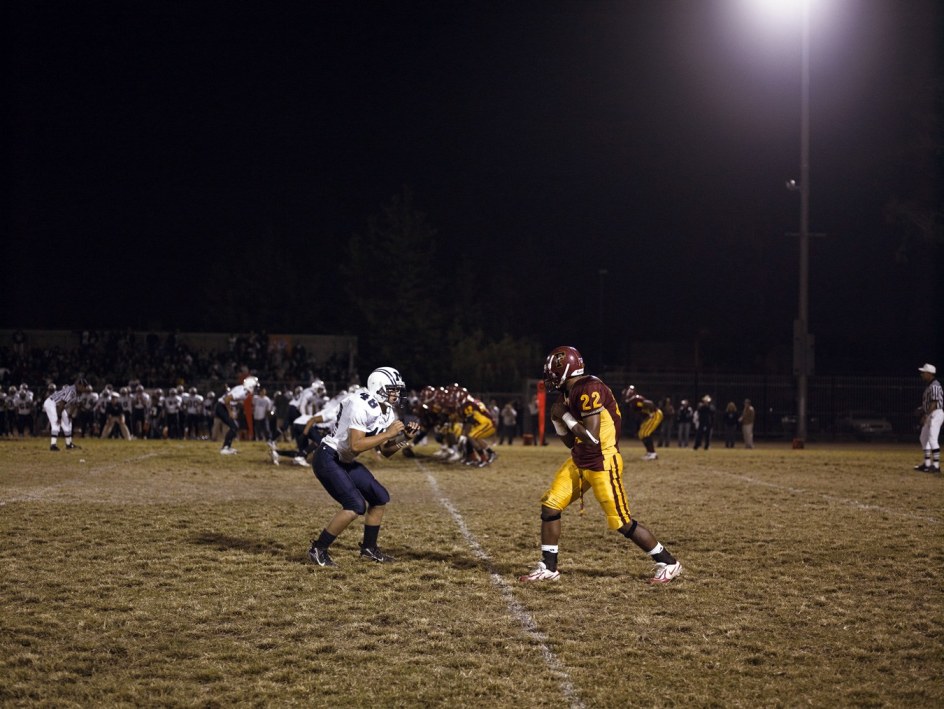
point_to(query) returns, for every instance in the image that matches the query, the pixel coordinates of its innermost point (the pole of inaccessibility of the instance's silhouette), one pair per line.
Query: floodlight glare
(779, 11)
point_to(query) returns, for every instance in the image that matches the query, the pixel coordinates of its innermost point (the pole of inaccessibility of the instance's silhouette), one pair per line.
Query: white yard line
(42, 493)
(517, 611)
(847, 502)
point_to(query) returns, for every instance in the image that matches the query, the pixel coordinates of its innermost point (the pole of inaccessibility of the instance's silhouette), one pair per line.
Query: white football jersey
(24, 403)
(363, 412)
(329, 412)
(172, 404)
(89, 400)
(194, 404)
(307, 401)
(238, 393)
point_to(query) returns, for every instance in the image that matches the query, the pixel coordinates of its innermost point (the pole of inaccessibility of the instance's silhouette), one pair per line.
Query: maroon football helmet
(427, 394)
(562, 364)
(458, 398)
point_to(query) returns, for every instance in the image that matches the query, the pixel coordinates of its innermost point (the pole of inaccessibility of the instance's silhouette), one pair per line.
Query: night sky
(153, 145)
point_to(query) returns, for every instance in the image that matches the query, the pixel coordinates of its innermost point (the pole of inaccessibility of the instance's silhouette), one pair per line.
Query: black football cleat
(71, 447)
(320, 556)
(54, 447)
(923, 468)
(374, 554)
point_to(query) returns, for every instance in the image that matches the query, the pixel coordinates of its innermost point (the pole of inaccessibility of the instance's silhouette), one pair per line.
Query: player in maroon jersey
(587, 418)
(650, 418)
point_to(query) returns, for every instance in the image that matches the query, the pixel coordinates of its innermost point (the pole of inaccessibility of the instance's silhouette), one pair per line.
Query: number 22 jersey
(588, 396)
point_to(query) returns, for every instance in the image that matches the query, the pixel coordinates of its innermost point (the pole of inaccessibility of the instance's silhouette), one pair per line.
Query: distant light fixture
(792, 185)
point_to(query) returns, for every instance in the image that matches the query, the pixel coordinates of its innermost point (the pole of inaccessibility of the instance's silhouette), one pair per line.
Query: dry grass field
(161, 573)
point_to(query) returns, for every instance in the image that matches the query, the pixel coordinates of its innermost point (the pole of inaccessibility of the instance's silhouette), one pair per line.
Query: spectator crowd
(147, 387)
(122, 357)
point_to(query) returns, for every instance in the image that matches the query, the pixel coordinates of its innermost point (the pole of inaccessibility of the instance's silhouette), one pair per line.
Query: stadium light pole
(802, 339)
(801, 350)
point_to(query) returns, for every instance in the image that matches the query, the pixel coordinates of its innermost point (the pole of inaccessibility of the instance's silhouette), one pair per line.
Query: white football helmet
(250, 383)
(386, 384)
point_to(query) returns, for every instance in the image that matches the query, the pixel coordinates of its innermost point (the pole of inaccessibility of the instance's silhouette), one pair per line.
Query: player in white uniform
(367, 420)
(24, 410)
(193, 405)
(85, 418)
(236, 395)
(60, 406)
(311, 398)
(312, 430)
(327, 418)
(173, 403)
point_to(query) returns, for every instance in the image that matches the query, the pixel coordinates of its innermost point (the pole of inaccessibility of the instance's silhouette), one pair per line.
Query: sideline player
(932, 407)
(368, 419)
(650, 418)
(312, 430)
(587, 418)
(60, 406)
(477, 429)
(236, 395)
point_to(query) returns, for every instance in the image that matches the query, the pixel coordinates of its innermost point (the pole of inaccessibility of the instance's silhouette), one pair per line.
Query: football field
(159, 572)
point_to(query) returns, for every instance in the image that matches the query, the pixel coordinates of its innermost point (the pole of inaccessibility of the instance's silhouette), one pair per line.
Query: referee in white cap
(932, 407)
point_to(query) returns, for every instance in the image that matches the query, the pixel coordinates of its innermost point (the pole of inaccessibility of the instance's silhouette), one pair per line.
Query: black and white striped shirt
(64, 396)
(933, 397)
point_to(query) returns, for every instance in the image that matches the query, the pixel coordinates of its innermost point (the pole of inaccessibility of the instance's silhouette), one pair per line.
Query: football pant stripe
(619, 495)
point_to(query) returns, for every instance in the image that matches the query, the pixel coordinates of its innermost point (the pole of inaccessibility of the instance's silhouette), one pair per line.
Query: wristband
(572, 423)
(569, 419)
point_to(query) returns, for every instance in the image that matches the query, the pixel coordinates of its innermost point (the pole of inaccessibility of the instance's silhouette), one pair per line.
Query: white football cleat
(299, 460)
(666, 572)
(650, 456)
(275, 457)
(540, 573)
(454, 457)
(228, 451)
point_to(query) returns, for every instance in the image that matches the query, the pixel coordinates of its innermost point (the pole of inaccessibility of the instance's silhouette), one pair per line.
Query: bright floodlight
(779, 11)
(774, 18)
